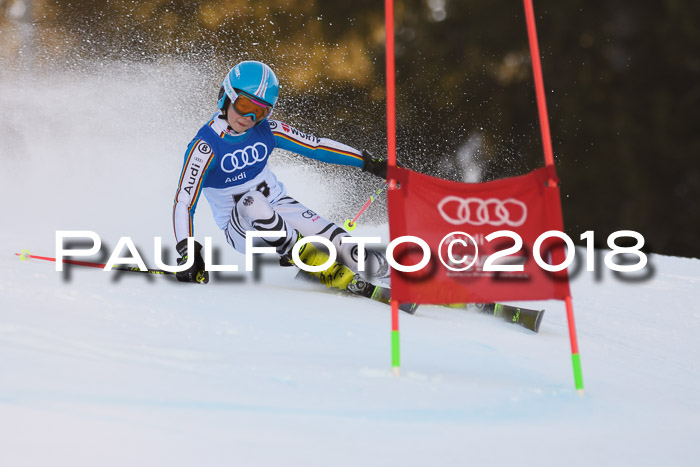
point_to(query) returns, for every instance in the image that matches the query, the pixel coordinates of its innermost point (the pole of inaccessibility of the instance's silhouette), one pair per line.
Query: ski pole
(24, 255)
(350, 224)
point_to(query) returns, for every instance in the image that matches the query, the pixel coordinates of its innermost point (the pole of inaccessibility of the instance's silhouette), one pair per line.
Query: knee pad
(254, 209)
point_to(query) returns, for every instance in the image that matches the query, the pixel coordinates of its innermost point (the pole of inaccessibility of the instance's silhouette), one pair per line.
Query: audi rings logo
(242, 158)
(477, 211)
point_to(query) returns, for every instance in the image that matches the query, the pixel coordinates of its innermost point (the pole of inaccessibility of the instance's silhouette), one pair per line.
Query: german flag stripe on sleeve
(184, 168)
(319, 147)
(197, 161)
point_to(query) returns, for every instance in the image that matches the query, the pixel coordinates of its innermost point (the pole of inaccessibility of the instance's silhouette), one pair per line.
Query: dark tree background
(622, 80)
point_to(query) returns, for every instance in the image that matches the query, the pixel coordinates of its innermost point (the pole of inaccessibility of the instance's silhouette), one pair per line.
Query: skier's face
(239, 123)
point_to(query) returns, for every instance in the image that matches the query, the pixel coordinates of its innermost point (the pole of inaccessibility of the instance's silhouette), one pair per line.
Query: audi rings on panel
(477, 211)
(242, 158)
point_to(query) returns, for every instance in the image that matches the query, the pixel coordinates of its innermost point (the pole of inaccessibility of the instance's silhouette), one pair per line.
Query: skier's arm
(197, 159)
(321, 149)
(326, 150)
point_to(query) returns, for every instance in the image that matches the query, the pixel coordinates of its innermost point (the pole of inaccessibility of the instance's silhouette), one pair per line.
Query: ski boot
(342, 277)
(335, 276)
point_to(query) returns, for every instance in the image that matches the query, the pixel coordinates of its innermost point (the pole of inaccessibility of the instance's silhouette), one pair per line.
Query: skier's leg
(308, 223)
(254, 212)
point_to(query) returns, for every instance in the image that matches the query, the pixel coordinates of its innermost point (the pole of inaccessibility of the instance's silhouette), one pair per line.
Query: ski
(526, 317)
(362, 288)
(359, 286)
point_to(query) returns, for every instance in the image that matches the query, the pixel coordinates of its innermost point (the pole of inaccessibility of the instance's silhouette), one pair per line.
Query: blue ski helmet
(250, 77)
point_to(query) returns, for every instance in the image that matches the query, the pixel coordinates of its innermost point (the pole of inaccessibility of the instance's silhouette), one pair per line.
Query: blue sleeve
(320, 149)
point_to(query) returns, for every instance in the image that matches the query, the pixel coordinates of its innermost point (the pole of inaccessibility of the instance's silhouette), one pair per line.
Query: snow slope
(105, 369)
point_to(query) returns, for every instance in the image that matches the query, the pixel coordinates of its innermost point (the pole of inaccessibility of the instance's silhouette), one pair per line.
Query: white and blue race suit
(225, 166)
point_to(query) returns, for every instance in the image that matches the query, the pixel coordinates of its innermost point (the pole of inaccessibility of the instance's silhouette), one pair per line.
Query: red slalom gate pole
(391, 152)
(549, 160)
(539, 83)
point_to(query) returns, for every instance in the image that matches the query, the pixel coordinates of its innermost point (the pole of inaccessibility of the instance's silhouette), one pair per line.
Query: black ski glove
(376, 165)
(196, 272)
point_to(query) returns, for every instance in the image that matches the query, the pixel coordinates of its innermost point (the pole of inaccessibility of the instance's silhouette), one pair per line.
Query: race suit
(233, 173)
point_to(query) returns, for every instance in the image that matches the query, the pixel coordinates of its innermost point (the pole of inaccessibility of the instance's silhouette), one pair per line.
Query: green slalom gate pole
(395, 339)
(575, 356)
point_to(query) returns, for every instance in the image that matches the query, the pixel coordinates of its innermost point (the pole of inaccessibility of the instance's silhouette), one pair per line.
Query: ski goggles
(247, 106)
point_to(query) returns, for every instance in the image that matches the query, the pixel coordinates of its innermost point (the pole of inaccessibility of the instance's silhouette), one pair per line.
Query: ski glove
(376, 165)
(196, 272)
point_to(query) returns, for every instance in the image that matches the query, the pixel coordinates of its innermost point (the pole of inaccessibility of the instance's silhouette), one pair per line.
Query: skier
(228, 161)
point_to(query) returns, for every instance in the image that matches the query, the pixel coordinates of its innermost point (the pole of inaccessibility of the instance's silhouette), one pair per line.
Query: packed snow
(114, 369)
